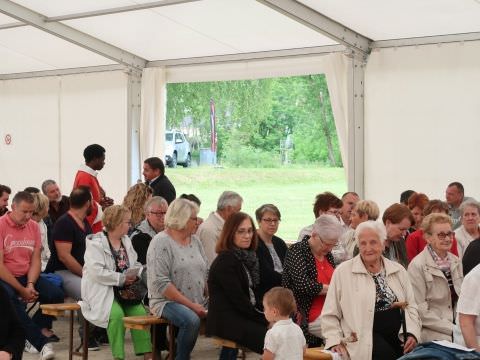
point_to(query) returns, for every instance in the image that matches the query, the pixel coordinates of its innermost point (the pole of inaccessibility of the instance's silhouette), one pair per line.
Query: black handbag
(132, 294)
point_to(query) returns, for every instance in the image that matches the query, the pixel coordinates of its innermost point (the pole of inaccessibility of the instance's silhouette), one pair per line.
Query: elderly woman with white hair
(361, 317)
(308, 269)
(177, 274)
(470, 229)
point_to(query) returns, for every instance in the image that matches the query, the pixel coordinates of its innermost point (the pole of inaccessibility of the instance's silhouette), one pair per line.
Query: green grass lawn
(291, 189)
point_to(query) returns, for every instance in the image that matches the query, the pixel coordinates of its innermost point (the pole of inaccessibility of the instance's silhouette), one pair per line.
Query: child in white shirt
(285, 339)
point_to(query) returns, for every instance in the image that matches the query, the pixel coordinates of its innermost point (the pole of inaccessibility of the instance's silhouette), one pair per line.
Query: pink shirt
(17, 243)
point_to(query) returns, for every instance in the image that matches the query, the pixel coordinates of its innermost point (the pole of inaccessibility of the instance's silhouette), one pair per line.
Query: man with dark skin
(87, 176)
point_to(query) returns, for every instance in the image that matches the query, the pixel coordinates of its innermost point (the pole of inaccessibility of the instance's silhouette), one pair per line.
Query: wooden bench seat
(61, 310)
(145, 322)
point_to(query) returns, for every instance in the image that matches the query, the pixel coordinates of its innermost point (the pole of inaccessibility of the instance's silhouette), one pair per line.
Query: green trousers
(116, 331)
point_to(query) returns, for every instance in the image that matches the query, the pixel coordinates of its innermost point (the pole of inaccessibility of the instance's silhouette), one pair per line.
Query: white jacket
(433, 294)
(350, 305)
(99, 277)
(209, 232)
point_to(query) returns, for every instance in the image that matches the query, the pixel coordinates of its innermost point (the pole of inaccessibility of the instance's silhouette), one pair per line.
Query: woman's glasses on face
(442, 235)
(158, 213)
(242, 232)
(271, 221)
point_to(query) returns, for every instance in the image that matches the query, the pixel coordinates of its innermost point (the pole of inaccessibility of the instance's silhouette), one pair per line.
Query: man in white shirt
(209, 231)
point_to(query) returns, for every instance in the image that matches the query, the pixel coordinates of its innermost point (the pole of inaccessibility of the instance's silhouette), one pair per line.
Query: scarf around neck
(249, 260)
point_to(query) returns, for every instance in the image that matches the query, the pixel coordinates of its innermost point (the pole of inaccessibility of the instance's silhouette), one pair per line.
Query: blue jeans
(228, 354)
(188, 324)
(47, 294)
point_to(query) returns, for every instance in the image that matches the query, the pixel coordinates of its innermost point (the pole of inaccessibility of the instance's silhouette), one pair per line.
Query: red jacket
(86, 179)
(416, 243)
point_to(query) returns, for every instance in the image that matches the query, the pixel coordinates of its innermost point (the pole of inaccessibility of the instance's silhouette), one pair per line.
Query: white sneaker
(29, 348)
(47, 352)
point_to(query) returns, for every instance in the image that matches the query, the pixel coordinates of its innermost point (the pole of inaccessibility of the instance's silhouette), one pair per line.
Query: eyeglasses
(158, 213)
(326, 244)
(271, 221)
(333, 212)
(242, 232)
(442, 235)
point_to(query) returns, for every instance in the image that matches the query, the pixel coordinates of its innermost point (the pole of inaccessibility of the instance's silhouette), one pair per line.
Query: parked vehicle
(177, 149)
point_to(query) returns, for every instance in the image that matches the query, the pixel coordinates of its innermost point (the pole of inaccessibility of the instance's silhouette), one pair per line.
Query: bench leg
(85, 340)
(154, 343)
(171, 341)
(70, 337)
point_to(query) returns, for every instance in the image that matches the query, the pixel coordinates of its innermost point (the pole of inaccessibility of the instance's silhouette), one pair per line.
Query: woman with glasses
(325, 203)
(232, 280)
(177, 273)
(307, 271)
(271, 250)
(108, 257)
(436, 275)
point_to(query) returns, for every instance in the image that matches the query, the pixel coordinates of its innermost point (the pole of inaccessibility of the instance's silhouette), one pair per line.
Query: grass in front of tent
(291, 189)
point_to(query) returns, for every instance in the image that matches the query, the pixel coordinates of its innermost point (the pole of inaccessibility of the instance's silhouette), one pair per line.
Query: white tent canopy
(85, 59)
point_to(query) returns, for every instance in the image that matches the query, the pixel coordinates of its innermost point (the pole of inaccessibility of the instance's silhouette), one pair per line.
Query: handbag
(132, 294)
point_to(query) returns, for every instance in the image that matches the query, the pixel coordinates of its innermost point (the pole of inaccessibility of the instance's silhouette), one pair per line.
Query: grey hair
(46, 184)
(155, 200)
(469, 203)
(327, 227)
(179, 212)
(375, 226)
(228, 198)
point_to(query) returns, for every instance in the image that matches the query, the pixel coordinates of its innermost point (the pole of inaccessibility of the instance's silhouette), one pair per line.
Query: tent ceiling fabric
(184, 29)
(385, 20)
(176, 32)
(28, 49)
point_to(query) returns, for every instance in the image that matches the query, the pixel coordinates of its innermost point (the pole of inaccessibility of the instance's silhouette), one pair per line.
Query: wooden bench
(316, 354)
(145, 322)
(61, 310)
(229, 344)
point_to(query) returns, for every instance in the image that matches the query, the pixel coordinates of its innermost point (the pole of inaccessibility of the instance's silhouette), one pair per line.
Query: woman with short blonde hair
(436, 276)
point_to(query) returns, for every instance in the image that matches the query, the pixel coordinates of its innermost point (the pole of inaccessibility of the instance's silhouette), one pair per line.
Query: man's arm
(35, 266)
(64, 249)
(7, 276)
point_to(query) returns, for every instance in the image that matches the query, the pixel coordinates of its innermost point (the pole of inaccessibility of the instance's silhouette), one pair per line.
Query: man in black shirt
(154, 173)
(68, 250)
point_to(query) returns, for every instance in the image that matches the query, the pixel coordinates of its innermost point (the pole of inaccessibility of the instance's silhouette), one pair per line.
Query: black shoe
(53, 338)
(92, 345)
(101, 336)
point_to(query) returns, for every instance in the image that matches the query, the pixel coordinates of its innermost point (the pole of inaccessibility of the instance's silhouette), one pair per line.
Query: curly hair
(135, 200)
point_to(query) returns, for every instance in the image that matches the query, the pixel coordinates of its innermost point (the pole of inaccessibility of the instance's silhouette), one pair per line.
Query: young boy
(285, 339)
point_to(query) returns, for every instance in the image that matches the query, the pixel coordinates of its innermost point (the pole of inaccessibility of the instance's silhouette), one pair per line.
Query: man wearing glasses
(155, 210)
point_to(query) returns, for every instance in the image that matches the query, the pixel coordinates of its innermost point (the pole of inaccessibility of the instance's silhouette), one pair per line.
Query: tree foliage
(258, 115)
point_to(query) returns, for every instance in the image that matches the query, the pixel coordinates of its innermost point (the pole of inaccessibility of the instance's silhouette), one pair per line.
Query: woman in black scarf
(232, 279)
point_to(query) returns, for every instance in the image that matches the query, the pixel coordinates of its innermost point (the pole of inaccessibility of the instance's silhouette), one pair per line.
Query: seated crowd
(361, 287)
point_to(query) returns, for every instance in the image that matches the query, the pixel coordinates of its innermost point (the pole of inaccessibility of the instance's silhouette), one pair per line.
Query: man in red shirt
(94, 156)
(20, 247)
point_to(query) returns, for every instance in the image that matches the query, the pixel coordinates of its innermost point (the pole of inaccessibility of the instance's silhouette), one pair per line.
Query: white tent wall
(422, 115)
(52, 119)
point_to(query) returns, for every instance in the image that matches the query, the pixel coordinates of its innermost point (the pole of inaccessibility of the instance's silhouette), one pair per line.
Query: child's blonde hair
(281, 299)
